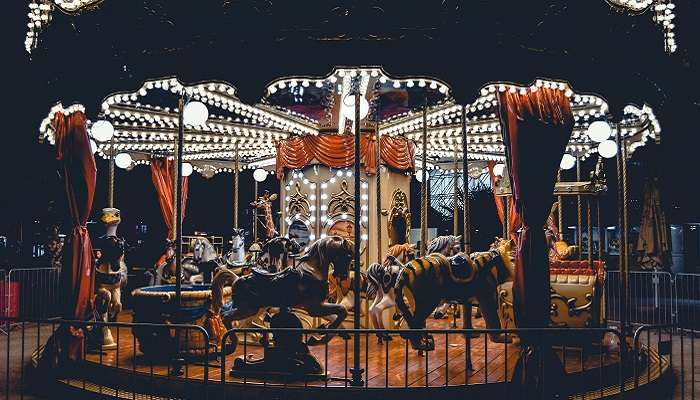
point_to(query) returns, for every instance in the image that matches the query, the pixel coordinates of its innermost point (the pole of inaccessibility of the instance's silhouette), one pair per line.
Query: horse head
(238, 239)
(330, 250)
(506, 249)
(203, 250)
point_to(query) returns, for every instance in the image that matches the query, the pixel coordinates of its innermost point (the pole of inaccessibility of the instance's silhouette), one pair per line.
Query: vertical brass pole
(356, 370)
(424, 185)
(255, 212)
(589, 231)
(601, 242)
(625, 222)
(466, 230)
(177, 201)
(579, 223)
(624, 288)
(560, 211)
(506, 216)
(379, 192)
(236, 186)
(455, 194)
(110, 188)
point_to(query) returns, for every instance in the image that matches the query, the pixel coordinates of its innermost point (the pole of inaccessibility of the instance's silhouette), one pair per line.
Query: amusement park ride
(344, 148)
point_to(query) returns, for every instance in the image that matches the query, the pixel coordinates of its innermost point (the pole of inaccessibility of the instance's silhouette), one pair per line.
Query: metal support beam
(356, 371)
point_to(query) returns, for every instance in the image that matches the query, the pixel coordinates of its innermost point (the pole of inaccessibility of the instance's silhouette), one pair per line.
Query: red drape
(536, 128)
(337, 151)
(162, 177)
(513, 216)
(77, 164)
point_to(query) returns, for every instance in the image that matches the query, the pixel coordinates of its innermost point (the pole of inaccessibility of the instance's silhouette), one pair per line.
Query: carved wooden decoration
(341, 203)
(399, 217)
(299, 203)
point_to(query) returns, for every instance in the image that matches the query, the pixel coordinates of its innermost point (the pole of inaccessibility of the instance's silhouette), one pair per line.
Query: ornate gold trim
(341, 202)
(399, 209)
(299, 203)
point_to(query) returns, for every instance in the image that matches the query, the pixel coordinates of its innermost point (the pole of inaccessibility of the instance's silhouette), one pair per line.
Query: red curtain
(337, 151)
(162, 170)
(536, 128)
(77, 164)
(513, 216)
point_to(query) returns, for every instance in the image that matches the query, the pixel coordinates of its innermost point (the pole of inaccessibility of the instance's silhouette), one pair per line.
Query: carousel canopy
(145, 121)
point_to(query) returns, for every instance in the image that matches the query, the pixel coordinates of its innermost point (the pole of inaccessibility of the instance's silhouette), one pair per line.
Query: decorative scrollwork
(399, 214)
(299, 203)
(341, 203)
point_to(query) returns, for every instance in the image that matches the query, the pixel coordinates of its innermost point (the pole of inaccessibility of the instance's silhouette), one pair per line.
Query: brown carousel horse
(303, 286)
(427, 281)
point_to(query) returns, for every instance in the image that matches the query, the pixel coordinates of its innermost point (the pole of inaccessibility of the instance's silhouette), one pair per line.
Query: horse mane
(319, 249)
(440, 243)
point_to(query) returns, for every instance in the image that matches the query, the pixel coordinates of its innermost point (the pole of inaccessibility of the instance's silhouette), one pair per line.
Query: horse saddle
(259, 273)
(461, 270)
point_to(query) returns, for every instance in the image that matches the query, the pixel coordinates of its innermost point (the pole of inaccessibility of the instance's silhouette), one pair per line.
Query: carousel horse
(404, 252)
(462, 277)
(164, 269)
(275, 254)
(236, 256)
(264, 203)
(448, 246)
(302, 286)
(204, 261)
(381, 279)
(110, 274)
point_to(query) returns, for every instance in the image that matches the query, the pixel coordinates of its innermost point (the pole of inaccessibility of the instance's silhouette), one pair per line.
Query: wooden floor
(392, 365)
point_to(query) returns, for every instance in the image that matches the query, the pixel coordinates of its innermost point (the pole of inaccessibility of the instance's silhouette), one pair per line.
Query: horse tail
(222, 278)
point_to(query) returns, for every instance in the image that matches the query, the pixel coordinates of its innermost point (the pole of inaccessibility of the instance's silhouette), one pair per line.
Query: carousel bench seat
(576, 289)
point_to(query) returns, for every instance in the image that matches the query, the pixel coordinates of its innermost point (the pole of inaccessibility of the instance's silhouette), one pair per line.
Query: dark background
(83, 58)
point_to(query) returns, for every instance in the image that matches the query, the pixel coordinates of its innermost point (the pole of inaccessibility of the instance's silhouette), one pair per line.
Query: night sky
(85, 57)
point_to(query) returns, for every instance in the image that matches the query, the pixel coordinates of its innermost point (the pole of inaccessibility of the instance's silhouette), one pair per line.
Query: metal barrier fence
(588, 355)
(30, 293)
(652, 297)
(687, 291)
(122, 372)
(661, 348)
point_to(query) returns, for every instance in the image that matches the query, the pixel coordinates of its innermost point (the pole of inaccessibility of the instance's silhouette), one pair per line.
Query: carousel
(294, 308)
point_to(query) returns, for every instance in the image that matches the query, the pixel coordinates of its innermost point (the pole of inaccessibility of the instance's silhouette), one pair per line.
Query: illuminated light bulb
(607, 149)
(102, 130)
(195, 113)
(123, 160)
(599, 131)
(187, 169)
(567, 161)
(498, 169)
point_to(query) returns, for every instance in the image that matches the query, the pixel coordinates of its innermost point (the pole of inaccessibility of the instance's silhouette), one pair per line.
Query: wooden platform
(394, 365)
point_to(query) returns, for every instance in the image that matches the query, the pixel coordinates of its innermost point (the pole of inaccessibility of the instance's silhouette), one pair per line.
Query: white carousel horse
(204, 262)
(236, 256)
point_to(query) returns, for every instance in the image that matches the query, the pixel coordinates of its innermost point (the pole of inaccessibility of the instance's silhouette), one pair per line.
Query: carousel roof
(145, 120)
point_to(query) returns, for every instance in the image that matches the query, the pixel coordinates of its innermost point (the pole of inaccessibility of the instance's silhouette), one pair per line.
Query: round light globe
(187, 169)
(123, 160)
(599, 131)
(349, 107)
(419, 175)
(567, 161)
(102, 130)
(195, 113)
(607, 149)
(498, 169)
(259, 175)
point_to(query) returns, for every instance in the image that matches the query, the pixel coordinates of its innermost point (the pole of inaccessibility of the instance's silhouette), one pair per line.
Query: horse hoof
(439, 315)
(313, 341)
(396, 316)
